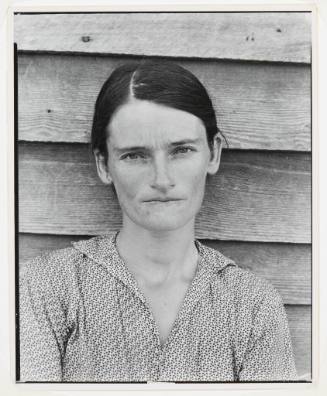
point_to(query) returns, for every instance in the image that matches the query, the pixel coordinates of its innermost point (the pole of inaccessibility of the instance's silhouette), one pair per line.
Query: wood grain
(286, 266)
(258, 106)
(255, 196)
(299, 318)
(32, 245)
(281, 37)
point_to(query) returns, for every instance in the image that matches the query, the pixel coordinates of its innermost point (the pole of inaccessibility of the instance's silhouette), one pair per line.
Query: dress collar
(103, 250)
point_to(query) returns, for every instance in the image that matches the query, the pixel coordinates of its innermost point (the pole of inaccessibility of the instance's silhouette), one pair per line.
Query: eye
(183, 150)
(133, 156)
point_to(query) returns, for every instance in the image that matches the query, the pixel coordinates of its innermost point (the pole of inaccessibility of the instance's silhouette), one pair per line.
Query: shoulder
(52, 262)
(57, 267)
(243, 286)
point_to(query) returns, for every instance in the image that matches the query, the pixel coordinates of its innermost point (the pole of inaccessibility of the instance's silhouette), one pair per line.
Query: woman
(151, 303)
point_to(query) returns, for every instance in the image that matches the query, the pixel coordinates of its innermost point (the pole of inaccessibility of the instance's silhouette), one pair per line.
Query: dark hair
(161, 82)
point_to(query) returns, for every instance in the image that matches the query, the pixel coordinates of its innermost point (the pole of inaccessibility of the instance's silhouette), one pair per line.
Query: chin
(164, 224)
(163, 227)
(163, 219)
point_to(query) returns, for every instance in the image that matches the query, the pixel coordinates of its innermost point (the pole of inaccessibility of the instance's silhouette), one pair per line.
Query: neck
(158, 257)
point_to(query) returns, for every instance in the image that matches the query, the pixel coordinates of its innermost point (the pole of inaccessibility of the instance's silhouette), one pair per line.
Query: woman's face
(158, 160)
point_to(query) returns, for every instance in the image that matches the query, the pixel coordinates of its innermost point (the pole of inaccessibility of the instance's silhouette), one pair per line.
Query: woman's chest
(120, 338)
(165, 304)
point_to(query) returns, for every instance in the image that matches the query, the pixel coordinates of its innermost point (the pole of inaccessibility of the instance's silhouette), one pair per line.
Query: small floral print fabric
(83, 318)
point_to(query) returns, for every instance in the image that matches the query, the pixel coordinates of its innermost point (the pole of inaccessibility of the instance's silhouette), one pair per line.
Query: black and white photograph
(164, 196)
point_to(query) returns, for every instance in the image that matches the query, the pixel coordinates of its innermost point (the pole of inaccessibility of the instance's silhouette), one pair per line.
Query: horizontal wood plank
(254, 197)
(258, 106)
(286, 266)
(299, 318)
(282, 37)
(33, 245)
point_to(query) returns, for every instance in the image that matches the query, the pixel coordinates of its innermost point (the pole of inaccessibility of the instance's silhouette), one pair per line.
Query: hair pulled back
(160, 82)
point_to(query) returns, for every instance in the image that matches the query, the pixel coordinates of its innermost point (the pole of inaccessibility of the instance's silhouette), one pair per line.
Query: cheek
(127, 183)
(194, 175)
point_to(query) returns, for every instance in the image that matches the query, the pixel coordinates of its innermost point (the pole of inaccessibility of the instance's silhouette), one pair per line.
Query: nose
(162, 179)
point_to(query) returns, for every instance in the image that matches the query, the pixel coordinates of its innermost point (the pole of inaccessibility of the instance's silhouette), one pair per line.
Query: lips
(163, 200)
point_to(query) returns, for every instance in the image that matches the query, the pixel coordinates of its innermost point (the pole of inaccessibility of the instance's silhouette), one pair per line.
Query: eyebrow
(120, 150)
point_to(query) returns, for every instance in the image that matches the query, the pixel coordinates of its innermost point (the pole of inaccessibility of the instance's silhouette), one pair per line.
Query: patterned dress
(84, 318)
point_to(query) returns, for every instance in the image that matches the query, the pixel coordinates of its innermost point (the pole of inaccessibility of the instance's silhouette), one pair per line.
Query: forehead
(142, 122)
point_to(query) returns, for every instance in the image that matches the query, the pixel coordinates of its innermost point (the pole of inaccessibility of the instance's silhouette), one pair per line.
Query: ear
(216, 149)
(102, 167)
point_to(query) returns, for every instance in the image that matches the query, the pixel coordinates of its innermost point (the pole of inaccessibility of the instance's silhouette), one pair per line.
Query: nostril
(162, 177)
(162, 180)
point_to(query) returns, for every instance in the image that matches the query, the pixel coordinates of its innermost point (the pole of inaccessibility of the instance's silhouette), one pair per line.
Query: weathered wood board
(286, 266)
(255, 196)
(281, 37)
(299, 318)
(258, 106)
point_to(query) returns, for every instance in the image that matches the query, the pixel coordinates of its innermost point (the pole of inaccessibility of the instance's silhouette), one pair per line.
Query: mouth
(163, 200)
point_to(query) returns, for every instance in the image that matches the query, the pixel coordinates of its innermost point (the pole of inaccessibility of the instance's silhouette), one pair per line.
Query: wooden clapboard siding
(282, 37)
(255, 196)
(286, 266)
(299, 318)
(258, 106)
(32, 245)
